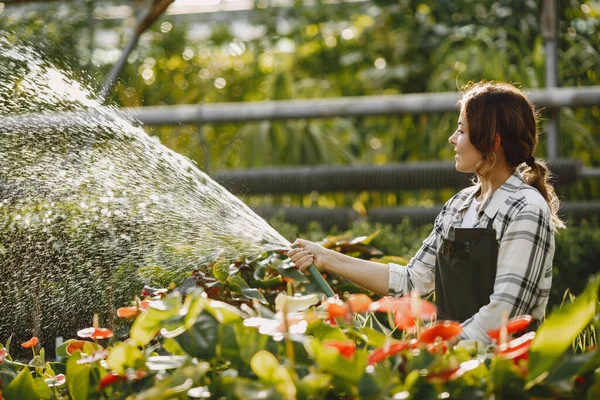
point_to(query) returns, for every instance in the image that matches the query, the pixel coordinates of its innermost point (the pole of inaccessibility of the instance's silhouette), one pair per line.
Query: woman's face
(467, 156)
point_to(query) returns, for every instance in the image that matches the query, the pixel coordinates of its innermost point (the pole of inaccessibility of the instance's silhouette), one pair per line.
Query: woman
(490, 252)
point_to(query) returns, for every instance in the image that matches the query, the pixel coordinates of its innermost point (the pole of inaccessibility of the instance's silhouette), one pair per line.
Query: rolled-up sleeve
(419, 274)
(524, 272)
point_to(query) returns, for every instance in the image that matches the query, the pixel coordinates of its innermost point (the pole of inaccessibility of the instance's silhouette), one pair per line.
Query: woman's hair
(494, 107)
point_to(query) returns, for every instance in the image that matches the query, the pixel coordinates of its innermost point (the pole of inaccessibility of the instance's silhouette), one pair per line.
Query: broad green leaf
(176, 385)
(21, 387)
(254, 294)
(373, 337)
(193, 305)
(221, 270)
(324, 332)
(315, 384)
(268, 370)
(330, 360)
(8, 371)
(161, 363)
(223, 312)
(201, 339)
(42, 389)
(292, 273)
(567, 368)
(154, 318)
(293, 304)
(237, 283)
(37, 362)
(124, 355)
(556, 334)
(249, 341)
(78, 377)
(173, 347)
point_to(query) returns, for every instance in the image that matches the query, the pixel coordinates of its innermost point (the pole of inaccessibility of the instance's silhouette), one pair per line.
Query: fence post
(549, 27)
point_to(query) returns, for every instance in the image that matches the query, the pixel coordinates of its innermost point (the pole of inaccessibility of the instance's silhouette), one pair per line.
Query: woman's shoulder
(459, 199)
(529, 198)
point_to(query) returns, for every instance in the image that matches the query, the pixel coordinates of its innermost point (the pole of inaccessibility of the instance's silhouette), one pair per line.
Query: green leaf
(173, 347)
(37, 362)
(22, 387)
(373, 337)
(201, 339)
(194, 304)
(161, 363)
(78, 377)
(268, 370)
(223, 312)
(330, 360)
(154, 318)
(42, 389)
(8, 371)
(292, 273)
(175, 386)
(567, 368)
(315, 384)
(221, 270)
(124, 355)
(237, 283)
(559, 330)
(293, 304)
(254, 294)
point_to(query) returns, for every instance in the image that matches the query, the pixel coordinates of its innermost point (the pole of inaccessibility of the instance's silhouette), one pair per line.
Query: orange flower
(3, 354)
(359, 302)
(128, 312)
(30, 343)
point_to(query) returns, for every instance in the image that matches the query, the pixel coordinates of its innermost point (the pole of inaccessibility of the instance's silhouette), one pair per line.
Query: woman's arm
(372, 275)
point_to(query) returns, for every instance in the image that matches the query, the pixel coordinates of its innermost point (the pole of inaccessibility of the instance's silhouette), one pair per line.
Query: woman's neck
(494, 180)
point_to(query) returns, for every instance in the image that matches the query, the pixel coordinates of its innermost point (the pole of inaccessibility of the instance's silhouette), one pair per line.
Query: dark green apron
(465, 271)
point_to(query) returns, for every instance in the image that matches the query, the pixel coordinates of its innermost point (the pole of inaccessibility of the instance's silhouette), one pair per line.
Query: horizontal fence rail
(344, 106)
(343, 217)
(389, 177)
(358, 106)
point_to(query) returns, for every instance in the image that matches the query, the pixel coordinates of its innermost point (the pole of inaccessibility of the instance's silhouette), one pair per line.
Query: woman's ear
(496, 141)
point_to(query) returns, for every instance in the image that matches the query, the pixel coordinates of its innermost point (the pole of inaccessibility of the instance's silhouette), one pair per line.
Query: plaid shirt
(525, 234)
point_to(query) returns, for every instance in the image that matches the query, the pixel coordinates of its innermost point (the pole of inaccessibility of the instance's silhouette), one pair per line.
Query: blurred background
(332, 115)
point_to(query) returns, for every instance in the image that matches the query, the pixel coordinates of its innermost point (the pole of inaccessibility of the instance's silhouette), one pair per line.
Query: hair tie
(530, 161)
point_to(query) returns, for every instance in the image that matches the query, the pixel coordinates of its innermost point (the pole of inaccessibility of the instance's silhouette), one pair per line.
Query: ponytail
(537, 174)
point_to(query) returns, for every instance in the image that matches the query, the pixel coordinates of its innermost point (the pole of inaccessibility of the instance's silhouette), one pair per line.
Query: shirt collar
(499, 197)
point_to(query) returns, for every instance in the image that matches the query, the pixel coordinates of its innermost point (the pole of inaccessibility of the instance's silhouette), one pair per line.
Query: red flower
(445, 330)
(3, 354)
(382, 353)
(435, 348)
(109, 379)
(30, 343)
(406, 310)
(514, 325)
(359, 302)
(345, 348)
(337, 308)
(95, 333)
(517, 349)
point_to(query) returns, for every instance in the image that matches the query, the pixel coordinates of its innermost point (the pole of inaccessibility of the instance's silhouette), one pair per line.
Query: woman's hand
(308, 253)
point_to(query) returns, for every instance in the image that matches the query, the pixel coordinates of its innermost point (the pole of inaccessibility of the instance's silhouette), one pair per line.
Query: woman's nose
(451, 139)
